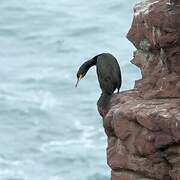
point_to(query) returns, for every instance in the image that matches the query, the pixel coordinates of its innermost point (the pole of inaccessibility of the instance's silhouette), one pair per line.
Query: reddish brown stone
(155, 22)
(139, 132)
(143, 124)
(155, 33)
(119, 158)
(126, 175)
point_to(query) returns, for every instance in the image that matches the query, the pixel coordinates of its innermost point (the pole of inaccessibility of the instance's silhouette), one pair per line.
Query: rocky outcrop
(155, 32)
(143, 124)
(143, 137)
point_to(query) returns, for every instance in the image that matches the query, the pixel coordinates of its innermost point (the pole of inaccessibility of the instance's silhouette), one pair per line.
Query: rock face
(143, 124)
(155, 32)
(143, 137)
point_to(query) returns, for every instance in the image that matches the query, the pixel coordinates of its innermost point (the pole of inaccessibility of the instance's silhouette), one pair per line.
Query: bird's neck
(90, 63)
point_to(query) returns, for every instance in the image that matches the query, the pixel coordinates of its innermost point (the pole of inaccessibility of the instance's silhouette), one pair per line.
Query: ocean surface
(50, 130)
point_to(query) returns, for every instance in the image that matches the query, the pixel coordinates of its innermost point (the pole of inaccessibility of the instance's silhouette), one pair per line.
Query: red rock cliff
(143, 124)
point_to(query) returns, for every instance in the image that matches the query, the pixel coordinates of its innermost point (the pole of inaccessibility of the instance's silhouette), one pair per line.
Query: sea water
(50, 130)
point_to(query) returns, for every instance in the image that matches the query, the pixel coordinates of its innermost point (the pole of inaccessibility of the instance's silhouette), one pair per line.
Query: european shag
(108, 72)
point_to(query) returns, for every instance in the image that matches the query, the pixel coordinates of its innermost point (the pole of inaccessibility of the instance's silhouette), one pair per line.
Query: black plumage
(108, 72)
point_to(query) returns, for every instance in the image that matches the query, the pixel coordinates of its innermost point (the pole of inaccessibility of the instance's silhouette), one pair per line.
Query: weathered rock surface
(143, 124)
(143, 137)
(155, 32)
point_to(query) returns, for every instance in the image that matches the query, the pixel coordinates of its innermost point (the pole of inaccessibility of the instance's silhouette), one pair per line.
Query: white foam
(45, 100)
(10, 162)
(85, 139)
(57, 145)
(11, 168)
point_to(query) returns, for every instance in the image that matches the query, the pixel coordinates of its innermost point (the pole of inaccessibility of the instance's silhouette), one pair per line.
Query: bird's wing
(106, 79)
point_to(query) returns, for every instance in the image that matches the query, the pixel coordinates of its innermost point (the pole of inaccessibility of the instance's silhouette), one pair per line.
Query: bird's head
(81, 73)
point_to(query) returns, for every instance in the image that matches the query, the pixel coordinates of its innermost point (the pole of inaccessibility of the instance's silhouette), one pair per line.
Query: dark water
(48, 129)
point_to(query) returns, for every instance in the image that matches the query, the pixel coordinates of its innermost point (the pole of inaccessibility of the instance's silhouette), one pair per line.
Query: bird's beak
(80, 77)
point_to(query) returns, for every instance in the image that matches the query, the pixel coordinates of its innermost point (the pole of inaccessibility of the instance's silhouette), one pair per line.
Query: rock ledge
(143, 137)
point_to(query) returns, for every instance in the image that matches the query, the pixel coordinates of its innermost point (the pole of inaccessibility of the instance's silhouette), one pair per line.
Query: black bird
(108, 72)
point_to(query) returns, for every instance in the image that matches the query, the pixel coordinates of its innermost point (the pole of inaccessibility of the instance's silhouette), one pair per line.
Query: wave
(43, 100)
(85, 139)
(10, 169)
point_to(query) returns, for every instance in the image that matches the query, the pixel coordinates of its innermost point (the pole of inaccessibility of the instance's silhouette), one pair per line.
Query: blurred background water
(48, 129)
